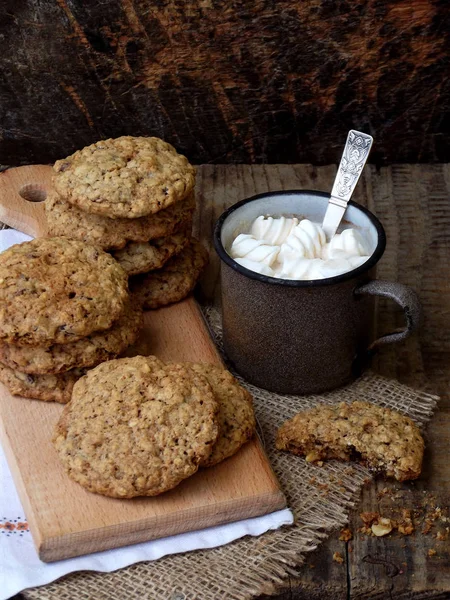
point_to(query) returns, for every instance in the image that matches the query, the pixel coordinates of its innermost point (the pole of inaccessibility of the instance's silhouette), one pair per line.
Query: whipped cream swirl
(289, 248)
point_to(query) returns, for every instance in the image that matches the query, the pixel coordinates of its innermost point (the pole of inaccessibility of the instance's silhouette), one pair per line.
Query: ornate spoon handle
(354, 157)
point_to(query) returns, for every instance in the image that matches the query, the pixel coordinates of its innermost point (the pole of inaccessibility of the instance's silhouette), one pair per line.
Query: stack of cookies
(64, 307)
(133, 197)
(139, 426)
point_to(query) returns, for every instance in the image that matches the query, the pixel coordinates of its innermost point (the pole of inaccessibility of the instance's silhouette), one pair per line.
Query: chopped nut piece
(338, 558)
(346, 535)
(383, 527)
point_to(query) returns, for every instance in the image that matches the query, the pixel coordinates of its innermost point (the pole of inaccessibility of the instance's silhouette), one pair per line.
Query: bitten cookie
(136, 427)
(384, 439)
(236, 417)
(174, 281)
(125, 177)
(87, 352)
(66, 219)
(57, 290)
(51, 388)
(142, 257)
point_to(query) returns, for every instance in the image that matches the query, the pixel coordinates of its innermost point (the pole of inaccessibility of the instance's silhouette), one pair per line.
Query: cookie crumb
(382, 493)
(405, 525)
(369, 517)
(346, 535)
(337, 557)
(432, 552)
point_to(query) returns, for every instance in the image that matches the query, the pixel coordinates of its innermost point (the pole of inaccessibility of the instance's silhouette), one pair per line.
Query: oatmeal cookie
(142, 257)
(136, 427)
(236, 417)
(384, 439)
(51, 388)
(56, 290)
(126, 177)
(87, 352)
(66, 219)
(174, 281)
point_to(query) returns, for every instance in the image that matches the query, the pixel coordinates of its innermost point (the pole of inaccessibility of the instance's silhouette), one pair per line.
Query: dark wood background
(240, 81)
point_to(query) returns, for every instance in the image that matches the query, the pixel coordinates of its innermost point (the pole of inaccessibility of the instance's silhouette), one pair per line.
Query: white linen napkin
(20, 567)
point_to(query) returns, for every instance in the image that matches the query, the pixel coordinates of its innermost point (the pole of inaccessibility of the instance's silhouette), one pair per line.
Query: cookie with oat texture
(87, 352)
(383, 439)
(50, 388)
(142, 257)
(127, 177)
(136, 427)
(57, 290)
(68, 220)
(236, 416)
(174, 281)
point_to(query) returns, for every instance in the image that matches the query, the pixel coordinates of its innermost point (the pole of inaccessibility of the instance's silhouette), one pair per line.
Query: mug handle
(405, 297)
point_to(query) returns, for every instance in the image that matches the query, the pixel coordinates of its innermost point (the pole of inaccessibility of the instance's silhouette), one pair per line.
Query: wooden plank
(252, 82)
(66, 520)
(412, 203)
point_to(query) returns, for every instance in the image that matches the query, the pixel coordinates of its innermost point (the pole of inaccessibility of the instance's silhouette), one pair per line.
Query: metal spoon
(356, 151)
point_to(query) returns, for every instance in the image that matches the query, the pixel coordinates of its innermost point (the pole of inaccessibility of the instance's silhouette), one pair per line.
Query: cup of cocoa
(298, 310)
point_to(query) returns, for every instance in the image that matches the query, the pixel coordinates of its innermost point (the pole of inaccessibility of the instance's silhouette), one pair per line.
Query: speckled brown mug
(301, 337)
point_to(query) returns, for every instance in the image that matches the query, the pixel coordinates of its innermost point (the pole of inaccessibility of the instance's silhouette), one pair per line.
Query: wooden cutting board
(66, 520)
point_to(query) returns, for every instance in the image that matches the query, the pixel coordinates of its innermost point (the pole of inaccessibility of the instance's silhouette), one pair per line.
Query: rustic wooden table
(413, 203)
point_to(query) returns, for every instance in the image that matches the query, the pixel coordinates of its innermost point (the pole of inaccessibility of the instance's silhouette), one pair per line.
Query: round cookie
(87, 352)
(66, 219)
(174, 281)
(126, 177)
(56, 290)
(236, 417)
(136, 427)
(142, 257)
(51, 388)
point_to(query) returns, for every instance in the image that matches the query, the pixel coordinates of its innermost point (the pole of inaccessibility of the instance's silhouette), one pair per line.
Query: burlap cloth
(320, 498)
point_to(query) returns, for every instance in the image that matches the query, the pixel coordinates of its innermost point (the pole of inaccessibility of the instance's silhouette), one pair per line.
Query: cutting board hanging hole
(23, 191)
(32, 192)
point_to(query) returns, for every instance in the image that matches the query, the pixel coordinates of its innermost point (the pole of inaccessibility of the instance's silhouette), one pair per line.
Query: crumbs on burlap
(10, 527)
